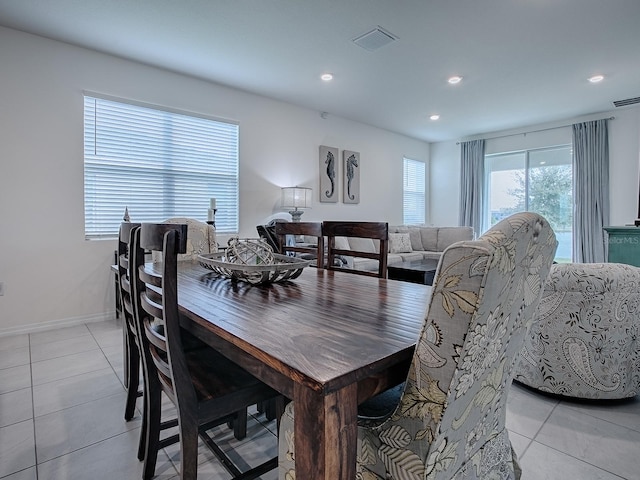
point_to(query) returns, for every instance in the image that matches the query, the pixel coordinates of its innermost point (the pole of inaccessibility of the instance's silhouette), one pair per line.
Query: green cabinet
(624, 245)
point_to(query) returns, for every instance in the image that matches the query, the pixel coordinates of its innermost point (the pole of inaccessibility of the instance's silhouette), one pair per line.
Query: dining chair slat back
(206, 388)
(309, 251)
(377, 231)
(130, 336)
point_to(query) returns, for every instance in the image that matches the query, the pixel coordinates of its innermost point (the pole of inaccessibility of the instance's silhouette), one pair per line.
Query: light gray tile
(624, 413)
(61, 348)
(520, 443)
(611, 447)
(80, 426)
(114, 354)
(272, 475)
(258, 446)
(15, 378)
(15, 407)
(68, 366)
(54, 396)
(114, 458)
(111, 337)
(527, 410)
(26, 474)
(270, 425)
(58, 334)
(544, 463)
(111, 325)
(116, 360)
(14, 341)
(14, 357)
(17, 449)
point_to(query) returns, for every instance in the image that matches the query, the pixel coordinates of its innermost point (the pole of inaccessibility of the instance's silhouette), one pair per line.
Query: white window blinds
(414, 188)
(158, 164)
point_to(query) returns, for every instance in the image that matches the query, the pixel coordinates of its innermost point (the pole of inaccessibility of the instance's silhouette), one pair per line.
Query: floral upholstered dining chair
(450, 419)
(201, 238)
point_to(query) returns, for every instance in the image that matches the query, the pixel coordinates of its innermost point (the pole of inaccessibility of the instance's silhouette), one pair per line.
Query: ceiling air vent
(628, 101)
(374, 39)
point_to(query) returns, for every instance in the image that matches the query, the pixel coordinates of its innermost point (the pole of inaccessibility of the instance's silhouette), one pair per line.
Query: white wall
(52, 275)
(624, 163)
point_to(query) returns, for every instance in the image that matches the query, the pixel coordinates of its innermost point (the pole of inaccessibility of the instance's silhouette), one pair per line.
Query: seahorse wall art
(351, 188)
(328, 174)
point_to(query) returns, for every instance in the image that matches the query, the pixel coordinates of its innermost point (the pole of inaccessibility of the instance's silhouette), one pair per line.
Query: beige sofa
(406, 243)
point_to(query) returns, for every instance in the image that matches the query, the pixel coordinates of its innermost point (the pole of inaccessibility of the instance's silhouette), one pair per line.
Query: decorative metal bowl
(252, 260)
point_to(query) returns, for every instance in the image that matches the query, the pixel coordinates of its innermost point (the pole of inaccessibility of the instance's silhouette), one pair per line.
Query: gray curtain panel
(590, 190)
(471, 184)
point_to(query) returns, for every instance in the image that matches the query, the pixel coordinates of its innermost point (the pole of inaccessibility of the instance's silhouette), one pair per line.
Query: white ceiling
(524, 62)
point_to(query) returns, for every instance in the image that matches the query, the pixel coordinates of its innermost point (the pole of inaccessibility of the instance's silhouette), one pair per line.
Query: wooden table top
(324, 329)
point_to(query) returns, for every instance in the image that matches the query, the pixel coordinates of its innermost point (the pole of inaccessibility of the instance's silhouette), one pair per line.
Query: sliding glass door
(537, 181)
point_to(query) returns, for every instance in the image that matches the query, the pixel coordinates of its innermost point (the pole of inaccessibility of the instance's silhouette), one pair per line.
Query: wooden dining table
(326, 340)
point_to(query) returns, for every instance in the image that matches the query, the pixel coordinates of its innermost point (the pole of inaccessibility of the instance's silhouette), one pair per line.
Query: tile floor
(61, 418)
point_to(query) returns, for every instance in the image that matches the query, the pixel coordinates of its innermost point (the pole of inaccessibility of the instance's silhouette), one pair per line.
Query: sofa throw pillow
(400, 243)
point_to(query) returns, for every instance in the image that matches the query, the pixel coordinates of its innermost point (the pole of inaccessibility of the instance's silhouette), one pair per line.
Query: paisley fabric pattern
(450, 422)
(201, 238)
(585, 338)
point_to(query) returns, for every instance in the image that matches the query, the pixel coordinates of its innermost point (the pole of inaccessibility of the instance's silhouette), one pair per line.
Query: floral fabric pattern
(584, 341)
(450, 421)
(201, 239)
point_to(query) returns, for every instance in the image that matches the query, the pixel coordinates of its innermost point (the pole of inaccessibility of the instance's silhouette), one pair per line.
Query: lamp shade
(296, 197)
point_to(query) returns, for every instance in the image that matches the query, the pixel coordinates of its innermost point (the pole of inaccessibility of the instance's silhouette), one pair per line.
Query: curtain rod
(533, 131)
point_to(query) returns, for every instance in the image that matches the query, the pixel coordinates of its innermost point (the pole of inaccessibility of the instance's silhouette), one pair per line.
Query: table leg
(325, 433)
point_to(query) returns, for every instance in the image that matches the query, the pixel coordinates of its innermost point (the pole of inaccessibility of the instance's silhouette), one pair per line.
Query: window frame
(183, 159)
(414, 214)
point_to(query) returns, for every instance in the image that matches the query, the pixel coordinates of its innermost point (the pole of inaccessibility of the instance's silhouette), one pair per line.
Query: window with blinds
(414, 189)
(158, 164)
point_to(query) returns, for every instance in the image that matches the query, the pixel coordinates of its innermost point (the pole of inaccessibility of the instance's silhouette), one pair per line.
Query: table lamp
(295, 198)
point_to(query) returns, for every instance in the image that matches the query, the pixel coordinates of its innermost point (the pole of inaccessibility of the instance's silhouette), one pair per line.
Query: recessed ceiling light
(435, 117)
(326, 77)
(596, 78)
(455, 79)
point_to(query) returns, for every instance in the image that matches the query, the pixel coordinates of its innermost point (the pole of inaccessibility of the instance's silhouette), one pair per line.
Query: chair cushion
(382, 404)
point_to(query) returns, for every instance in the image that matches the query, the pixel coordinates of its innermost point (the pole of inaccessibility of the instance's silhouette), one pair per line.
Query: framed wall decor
(328, 174)
(351, 186)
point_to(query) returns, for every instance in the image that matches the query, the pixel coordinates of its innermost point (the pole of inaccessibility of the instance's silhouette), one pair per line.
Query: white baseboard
(53, 324)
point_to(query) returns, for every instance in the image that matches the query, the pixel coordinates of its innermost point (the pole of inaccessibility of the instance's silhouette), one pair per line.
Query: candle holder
(211, 218)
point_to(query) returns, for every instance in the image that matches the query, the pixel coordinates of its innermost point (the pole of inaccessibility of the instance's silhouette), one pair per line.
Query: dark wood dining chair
(206, 388)
(268, 233)
(377, 231)
(132, 363)
(303, 250)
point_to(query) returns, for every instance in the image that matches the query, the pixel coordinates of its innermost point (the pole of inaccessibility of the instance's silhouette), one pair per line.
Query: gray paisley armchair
(450, 419)
(585, 338)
